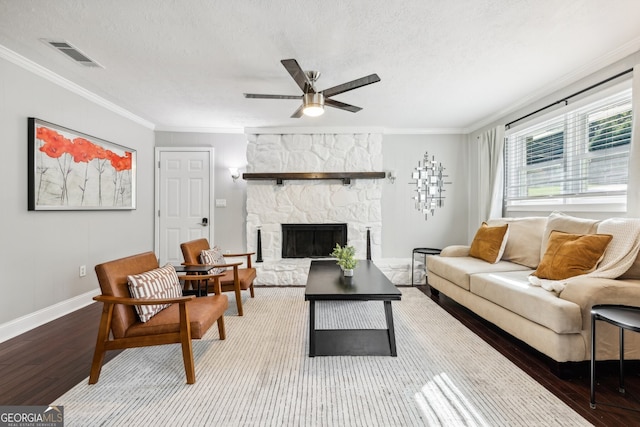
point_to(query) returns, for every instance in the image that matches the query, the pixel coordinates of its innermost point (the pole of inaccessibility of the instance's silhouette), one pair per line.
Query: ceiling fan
(313, 101)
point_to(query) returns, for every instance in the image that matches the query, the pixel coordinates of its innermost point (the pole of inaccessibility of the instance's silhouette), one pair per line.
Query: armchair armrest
(137, 301)
(199, 276)
(248, 255)
(217, 288)
(216, 265)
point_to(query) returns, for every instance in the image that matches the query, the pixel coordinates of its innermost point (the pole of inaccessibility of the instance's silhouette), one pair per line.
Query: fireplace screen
(312, 240)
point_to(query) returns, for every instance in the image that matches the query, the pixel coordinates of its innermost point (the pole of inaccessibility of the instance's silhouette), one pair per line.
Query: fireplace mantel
(280, 177)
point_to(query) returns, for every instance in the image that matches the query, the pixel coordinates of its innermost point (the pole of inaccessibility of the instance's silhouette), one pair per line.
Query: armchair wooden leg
(239, 301)
(251, 290)
(187, 349)
(103, 336)
(221, 330)
(236, 288)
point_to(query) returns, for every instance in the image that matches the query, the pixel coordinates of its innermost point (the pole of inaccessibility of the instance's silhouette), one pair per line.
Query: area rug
(261, 375)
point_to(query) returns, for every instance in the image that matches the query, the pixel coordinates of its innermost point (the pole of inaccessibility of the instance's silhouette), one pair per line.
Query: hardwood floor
(39, 366)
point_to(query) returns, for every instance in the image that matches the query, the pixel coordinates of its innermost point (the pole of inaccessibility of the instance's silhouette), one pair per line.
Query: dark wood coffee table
(327, 283)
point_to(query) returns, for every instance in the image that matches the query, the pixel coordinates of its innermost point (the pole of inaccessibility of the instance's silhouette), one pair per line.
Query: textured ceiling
(443, 64)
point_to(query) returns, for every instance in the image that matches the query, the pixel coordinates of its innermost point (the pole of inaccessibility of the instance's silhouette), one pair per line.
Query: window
(576, 157)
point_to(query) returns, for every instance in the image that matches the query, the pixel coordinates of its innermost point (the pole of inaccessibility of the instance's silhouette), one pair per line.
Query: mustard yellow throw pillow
(569, 255)
(489, 242)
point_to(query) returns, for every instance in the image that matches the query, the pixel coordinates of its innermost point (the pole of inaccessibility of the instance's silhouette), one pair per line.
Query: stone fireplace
(306, 202)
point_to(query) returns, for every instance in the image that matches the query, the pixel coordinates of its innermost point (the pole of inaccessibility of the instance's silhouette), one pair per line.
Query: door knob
(204, 222)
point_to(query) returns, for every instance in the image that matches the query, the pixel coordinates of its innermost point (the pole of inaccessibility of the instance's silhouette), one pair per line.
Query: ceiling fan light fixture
(313, 104)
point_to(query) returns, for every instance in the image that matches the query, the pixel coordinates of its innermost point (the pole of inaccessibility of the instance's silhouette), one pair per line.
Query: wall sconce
(429, 185)
(391, 176)
(235, 173)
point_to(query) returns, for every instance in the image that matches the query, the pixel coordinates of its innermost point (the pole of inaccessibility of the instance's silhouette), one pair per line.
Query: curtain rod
(566, 98)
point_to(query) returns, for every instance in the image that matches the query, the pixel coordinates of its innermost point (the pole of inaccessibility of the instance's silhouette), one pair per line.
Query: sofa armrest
(456, 251)
(589, 291)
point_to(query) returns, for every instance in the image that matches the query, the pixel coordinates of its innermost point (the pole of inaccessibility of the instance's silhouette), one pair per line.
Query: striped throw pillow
(162, 282)
(213, 257)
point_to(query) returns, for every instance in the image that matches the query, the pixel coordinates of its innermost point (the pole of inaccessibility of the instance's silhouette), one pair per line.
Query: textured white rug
(260, 375)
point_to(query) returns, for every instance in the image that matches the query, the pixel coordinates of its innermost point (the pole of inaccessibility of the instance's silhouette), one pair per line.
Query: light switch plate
(221, 203)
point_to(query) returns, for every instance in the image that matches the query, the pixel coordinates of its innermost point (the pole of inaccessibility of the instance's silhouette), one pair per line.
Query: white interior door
(183, 204)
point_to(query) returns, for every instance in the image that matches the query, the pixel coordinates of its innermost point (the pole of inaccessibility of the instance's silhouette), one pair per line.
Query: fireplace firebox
(312, 240)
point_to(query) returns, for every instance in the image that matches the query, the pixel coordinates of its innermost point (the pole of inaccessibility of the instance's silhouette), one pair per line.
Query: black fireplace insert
(312, 240)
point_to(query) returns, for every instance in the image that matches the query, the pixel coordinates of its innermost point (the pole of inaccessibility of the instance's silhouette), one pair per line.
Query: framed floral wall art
(69, 170)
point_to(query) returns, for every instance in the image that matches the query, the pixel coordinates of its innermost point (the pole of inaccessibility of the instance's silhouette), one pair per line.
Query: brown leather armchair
(234, 279)
(185, 319)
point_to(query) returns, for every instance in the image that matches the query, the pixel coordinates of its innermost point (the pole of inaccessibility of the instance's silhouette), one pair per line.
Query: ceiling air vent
(72, 52)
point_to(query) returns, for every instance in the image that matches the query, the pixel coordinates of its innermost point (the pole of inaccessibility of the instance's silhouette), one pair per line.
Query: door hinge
(158, 213)
(158, 164)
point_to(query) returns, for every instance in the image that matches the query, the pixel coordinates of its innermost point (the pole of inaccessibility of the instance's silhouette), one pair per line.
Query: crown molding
(426, 131)
(310, 130)
(161, 128)
(58, 80)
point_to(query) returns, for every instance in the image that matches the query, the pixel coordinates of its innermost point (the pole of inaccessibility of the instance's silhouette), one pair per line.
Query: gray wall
(41, 251)
(403, 227)
(230, 150)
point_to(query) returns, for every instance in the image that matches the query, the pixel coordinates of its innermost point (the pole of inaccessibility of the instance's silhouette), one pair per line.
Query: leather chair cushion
(245, 277)
(203, 312)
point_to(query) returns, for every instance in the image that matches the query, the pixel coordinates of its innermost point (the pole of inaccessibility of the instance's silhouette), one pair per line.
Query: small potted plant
(346, 260)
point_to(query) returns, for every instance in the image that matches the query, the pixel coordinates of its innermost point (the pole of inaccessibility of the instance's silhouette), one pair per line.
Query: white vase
(348, 271)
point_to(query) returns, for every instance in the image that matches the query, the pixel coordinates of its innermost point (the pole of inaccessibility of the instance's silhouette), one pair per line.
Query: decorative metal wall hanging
(429, 182)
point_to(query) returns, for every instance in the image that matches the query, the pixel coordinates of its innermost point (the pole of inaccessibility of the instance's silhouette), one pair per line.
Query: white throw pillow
(162, 282)
(525, 239)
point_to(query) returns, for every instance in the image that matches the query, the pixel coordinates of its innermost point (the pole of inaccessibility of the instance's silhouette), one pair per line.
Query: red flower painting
(78, 171)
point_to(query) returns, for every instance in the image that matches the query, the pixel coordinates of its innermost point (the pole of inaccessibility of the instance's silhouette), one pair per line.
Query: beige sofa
(556, 323)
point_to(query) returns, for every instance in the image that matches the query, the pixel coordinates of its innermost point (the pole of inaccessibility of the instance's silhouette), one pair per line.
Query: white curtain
(491, 173)
(633, 187)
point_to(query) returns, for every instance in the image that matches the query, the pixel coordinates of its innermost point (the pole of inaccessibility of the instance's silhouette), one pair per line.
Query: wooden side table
(624, 317)
(424, 252)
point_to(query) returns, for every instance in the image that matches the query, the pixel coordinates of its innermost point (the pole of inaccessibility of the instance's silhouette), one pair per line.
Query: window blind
(575, 156)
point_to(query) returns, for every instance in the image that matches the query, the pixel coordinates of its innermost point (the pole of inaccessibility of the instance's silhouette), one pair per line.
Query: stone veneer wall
(315, 201)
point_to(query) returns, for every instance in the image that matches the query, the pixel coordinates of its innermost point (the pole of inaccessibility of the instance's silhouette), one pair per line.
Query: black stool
(624, 317)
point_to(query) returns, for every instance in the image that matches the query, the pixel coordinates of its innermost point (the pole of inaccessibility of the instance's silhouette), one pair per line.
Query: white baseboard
(33, 320)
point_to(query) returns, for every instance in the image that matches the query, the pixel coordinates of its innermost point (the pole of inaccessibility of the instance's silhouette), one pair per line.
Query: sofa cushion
(489, 242)
(213, 257)
(525, 239)
(161, 282)
(512, 291)
(570, 255)
(458, 269)
(569, 224)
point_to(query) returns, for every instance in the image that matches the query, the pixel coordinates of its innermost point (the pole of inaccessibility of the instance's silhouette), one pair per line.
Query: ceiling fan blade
(341, 105)
(298, 75)
(298, 113)
(354, 84)
(257, 95)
